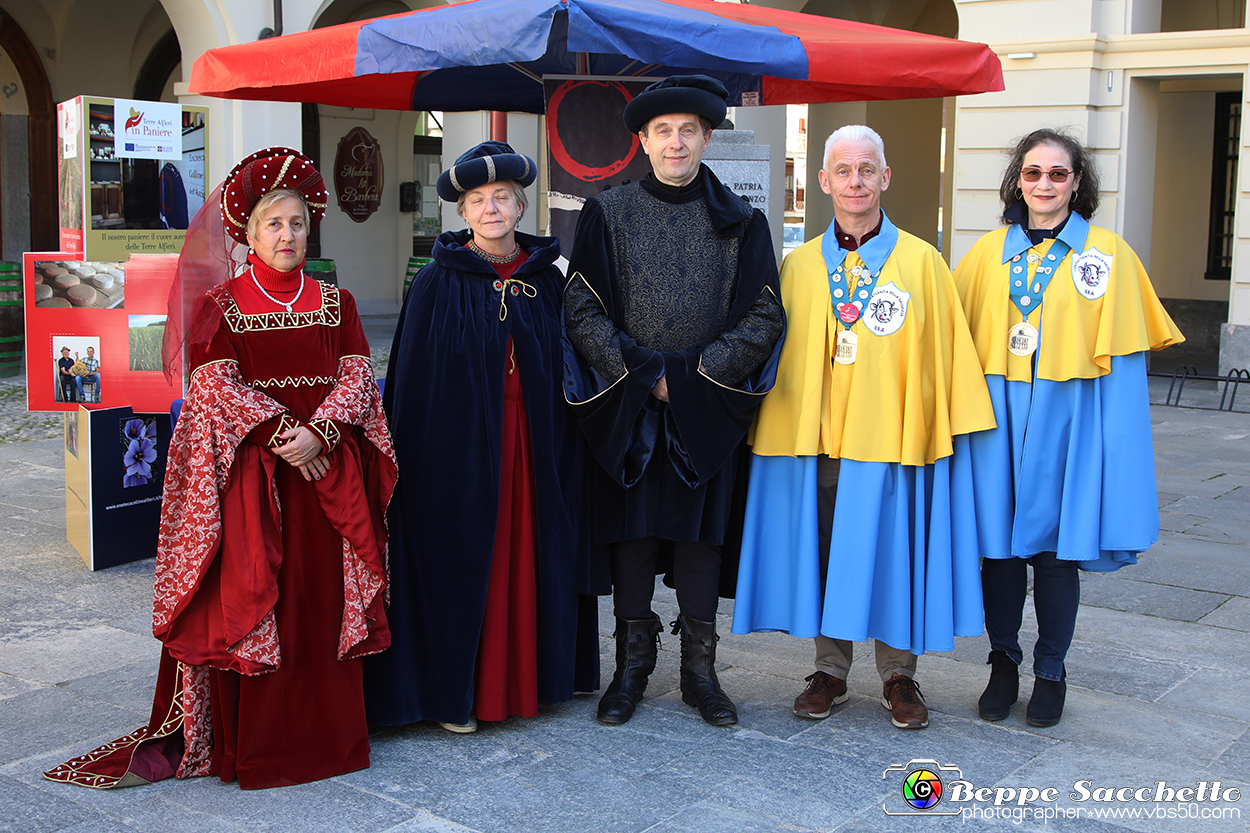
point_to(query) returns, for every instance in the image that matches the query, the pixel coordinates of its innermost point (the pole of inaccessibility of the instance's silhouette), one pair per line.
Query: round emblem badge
(1022, 339)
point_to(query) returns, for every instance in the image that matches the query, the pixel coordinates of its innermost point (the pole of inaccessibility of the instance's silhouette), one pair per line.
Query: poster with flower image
(139, 441)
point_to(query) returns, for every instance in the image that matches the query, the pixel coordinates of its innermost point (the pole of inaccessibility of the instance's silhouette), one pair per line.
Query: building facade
(1156, 87)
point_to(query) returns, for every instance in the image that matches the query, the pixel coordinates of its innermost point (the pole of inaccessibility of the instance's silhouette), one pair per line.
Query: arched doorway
(40, 115)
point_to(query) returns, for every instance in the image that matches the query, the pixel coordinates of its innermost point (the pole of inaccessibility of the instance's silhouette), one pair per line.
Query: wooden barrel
(322, 269)
(12, 323)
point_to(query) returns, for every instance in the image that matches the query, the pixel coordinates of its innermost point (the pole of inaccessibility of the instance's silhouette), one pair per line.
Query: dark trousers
(696, 574)
(1056, 596)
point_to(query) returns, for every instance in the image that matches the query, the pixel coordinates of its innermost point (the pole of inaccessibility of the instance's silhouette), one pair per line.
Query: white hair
(855, 133)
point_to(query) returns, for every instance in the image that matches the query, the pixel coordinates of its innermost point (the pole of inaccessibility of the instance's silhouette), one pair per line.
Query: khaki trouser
(833, 656)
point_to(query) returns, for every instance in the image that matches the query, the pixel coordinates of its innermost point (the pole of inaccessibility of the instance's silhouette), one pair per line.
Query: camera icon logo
(923, 787)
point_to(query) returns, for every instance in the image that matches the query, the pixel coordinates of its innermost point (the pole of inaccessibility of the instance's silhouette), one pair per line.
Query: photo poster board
(588, 147)
(115, 463)
(116, 308)
(131, 175)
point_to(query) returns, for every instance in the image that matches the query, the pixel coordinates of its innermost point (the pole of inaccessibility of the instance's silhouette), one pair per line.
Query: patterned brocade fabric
(675, 292)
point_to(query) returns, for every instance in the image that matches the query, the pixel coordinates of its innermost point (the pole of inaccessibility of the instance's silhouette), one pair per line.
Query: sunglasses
(1055, 175)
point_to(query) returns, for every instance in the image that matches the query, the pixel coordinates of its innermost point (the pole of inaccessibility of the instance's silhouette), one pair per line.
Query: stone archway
(41, 133)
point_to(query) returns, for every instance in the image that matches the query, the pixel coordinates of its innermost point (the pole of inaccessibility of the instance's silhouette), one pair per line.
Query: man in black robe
(675, 327)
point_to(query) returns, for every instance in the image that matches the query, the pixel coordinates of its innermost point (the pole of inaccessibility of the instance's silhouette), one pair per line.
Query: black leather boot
(699, 686)
(637, 641)
(1003, 689)
(1046, 705)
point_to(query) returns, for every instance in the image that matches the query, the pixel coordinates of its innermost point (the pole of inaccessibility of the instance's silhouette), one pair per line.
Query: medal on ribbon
(1022, 340)
(845, 347)
(856, 284)
(1028, 282)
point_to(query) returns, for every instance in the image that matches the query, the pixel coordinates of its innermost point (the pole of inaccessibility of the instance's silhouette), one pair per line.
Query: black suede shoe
(637, 642)
(1003, 689)
(1046, 704)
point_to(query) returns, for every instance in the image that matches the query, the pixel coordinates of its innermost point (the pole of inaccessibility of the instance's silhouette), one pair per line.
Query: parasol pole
(498, 126)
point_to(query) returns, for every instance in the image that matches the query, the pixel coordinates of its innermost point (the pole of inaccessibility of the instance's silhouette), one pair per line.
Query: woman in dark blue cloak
(487, 613)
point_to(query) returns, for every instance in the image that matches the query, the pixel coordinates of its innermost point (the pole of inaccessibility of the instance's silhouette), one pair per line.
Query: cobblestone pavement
(18, 424)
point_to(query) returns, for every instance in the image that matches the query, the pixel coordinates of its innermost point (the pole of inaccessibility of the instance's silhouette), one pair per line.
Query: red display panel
(110, 312)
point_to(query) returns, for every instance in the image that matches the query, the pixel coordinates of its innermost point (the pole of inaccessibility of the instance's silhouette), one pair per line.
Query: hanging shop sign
(358, 174)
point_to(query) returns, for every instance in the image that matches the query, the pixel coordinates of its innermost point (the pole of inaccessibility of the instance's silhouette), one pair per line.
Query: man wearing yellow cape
(859, 521)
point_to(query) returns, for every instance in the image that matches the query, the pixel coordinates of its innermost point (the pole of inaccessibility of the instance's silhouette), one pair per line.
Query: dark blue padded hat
(698, 94)
(488, 162)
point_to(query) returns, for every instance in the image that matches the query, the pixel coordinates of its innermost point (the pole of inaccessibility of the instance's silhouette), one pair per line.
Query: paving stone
(1226, 527)
(26, 810)
(69, 649)
(508, 777)
(783, 782)
(1132, 635)
(1198, 565)
(1233, 614)
(1175, 736)
(1070, 763)
(63, 723)
(1212, 691)
(322, 807)
(1148, 598)
(128, 687)
(1170, 522)
(1197, 507)
(429, 823)
(1234, 759)
(706, 817)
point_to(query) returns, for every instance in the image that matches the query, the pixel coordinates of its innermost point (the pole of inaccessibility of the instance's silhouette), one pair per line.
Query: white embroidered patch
(886, 309)
(1091, 272)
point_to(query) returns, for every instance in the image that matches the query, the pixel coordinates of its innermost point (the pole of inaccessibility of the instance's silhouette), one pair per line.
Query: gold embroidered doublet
(329, 314)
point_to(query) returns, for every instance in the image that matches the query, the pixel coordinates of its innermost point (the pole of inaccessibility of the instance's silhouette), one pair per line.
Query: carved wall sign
(358, 174)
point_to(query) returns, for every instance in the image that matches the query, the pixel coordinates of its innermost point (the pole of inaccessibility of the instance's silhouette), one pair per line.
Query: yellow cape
(907, 394)
(1078, 335)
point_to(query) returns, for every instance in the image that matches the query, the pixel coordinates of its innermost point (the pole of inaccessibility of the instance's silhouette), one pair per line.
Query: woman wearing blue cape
(1062, 313)
(487, 621)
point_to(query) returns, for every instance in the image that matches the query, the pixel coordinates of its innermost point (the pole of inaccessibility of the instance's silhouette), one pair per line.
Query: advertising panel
(114, 473)
(130, 176)
(94, 332)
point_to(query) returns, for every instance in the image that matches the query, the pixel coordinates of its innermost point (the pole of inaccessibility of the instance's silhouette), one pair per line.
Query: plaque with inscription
(358, 174)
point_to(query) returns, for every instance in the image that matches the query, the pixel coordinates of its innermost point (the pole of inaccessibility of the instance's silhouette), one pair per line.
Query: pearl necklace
(275, 300)
(490, 258)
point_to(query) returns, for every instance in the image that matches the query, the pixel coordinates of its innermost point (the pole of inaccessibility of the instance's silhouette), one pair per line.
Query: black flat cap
(696, 94)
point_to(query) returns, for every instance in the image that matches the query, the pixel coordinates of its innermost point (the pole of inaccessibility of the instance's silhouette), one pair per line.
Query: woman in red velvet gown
(271, 569)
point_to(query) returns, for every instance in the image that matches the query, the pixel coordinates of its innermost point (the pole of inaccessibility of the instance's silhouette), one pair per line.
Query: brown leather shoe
(902, 697)
(823, 692)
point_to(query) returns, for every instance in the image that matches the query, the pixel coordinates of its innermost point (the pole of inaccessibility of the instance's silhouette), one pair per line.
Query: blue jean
(1056, 596)
(91, 377)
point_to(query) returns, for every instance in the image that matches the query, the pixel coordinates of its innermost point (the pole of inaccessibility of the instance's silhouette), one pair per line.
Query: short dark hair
(64, 349)
(1084, 201)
